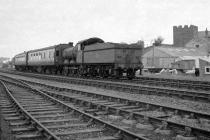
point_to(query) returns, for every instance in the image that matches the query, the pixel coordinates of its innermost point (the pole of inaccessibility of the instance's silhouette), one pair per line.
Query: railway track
(195, 95)
(155, 120)
(179, 83)
(58, 120)
(21, 124)
(193, 84)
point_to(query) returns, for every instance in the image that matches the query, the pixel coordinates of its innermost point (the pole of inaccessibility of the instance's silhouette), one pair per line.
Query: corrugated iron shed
(181, 51)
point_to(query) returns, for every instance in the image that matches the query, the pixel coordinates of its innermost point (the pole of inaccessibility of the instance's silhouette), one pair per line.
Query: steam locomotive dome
(69, 52)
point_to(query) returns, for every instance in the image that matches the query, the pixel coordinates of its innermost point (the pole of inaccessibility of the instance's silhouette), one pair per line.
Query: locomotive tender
(90, 57)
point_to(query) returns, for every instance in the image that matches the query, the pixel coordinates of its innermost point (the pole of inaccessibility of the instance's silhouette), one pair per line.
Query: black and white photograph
(104, 70)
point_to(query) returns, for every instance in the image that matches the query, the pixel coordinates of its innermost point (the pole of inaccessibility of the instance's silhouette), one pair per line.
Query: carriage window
(57, 53)
(207, 70)
(50, 54)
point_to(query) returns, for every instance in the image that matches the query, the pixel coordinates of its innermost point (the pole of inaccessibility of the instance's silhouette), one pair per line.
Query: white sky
(31, 24)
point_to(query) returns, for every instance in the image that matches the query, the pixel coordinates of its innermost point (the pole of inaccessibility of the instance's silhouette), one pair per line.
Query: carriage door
(58, 56)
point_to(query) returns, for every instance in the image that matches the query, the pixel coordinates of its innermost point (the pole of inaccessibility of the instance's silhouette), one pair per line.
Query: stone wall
(182, 35)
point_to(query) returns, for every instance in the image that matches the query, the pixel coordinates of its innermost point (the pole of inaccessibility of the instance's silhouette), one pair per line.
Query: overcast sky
(31, 24)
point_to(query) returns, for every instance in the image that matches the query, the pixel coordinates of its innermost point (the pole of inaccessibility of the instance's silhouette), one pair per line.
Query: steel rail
(139, 89)
(171, 124)
(122, 131)
(195, 130)
(175, 109)
(171, 82)
(34, 121)
(171, 108)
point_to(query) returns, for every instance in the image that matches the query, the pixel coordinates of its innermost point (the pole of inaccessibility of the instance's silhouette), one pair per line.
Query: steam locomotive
(90, 57)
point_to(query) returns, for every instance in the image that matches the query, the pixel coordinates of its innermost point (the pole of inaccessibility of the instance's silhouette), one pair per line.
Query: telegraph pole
(153, 55)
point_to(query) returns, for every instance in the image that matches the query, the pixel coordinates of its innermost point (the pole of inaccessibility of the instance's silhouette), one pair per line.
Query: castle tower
(182, 35)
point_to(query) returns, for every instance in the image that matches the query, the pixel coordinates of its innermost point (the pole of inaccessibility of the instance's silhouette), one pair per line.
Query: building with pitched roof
(204, 67)
(163, 57)
(189, 46)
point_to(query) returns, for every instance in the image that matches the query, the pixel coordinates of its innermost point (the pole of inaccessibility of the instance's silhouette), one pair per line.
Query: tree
(158, 41)
(141, 43)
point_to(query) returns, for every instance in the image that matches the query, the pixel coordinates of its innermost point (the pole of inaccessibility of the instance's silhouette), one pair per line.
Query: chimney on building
(206, 32)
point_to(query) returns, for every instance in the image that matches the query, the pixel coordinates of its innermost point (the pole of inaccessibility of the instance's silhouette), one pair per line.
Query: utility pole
(153, 55)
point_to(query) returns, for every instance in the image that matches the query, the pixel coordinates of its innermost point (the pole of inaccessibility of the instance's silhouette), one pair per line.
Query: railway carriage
(20, 61)
(47, 60)
(90, 57)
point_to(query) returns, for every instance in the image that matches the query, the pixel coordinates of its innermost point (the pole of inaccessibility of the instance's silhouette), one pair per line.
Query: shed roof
(147, 49)
(207, 59)
(181, 51)
(195, 58)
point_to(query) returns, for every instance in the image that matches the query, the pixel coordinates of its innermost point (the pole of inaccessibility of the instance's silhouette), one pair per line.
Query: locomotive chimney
(70, 43)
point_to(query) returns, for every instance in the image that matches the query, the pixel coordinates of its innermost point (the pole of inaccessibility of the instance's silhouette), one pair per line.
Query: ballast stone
(129, 122)
(179, 137)
(145, 126)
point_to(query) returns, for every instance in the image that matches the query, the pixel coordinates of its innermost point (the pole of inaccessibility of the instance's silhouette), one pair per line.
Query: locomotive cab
(59, 59)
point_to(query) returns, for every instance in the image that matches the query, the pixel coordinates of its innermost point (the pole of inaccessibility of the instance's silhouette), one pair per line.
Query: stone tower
(182, 35)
